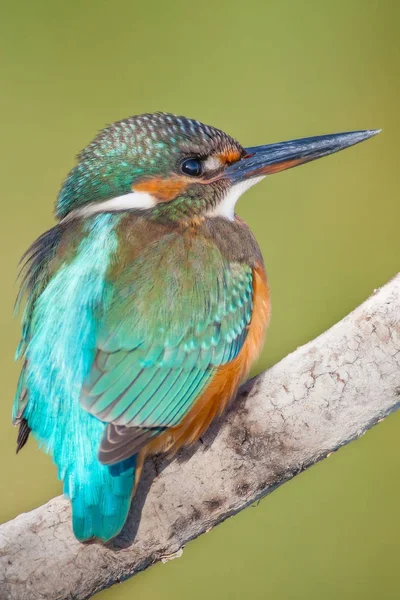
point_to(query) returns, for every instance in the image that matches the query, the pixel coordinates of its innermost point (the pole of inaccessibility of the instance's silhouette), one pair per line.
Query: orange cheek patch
(230, 156)
(162, 189)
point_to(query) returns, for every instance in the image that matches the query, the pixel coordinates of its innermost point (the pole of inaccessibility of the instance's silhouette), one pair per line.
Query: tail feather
(100, 500)
(23, 434)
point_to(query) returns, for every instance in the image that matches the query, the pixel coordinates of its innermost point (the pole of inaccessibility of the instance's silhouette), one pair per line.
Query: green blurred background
(263, 71)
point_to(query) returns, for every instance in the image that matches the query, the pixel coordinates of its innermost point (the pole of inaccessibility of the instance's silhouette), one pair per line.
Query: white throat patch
(131, 201)
(226, 208)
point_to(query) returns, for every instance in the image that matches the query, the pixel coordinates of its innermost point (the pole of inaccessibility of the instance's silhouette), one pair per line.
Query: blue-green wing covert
(167, 327)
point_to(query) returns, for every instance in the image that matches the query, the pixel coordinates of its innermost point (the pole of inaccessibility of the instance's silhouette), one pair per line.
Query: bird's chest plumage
(180, 255)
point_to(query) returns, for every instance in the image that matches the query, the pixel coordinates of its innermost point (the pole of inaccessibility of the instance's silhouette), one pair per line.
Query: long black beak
(272, 158)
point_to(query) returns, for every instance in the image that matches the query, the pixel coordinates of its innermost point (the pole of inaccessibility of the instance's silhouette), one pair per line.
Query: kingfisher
(145, 305)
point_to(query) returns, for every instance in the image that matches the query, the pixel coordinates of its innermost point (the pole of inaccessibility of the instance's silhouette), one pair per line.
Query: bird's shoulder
(145, 242)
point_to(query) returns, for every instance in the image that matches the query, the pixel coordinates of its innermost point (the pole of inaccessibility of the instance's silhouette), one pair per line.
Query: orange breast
(226, 380)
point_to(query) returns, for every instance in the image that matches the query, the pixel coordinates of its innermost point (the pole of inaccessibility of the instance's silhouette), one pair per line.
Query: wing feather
(161, 340)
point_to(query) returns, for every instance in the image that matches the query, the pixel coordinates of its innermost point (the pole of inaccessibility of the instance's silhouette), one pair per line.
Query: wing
(171, 319)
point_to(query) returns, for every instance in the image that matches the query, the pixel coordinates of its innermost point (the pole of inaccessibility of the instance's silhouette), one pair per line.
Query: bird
(145, 305)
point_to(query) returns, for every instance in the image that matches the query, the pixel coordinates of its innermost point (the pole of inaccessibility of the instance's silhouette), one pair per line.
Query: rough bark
(318, 398)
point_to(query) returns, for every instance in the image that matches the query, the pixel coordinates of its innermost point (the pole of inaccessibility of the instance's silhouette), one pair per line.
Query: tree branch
(318, 398)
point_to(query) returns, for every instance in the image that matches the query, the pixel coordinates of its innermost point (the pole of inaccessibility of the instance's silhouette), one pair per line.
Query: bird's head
(176, 169)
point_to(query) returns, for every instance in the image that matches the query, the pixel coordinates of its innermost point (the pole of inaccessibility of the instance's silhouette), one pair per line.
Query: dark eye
(192, 167)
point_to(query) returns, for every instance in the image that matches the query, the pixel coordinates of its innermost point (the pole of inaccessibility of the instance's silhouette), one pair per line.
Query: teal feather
(117, 379)
(149, 412)
(150, 395)
(132, 394)
(179, 410)
(59, 356)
